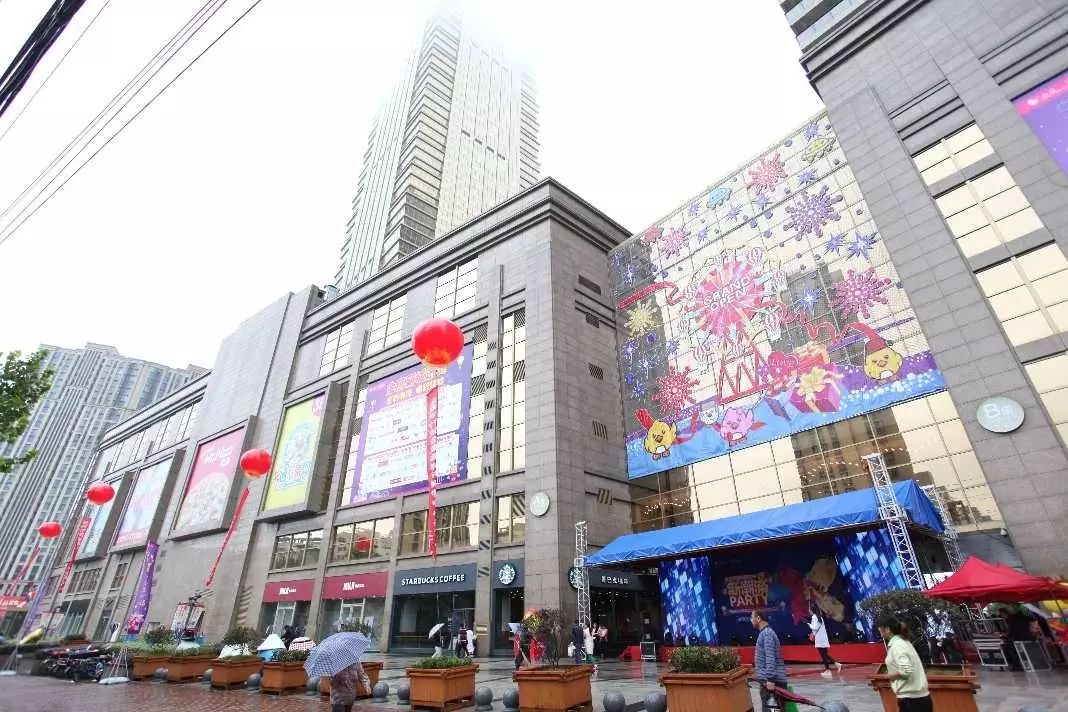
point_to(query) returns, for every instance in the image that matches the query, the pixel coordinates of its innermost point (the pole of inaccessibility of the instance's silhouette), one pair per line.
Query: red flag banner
(226, 539)
(13, 586)
(431, 471)
(79, 536)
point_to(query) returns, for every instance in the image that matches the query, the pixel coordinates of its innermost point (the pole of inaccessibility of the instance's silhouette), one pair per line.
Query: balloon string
(226, 539)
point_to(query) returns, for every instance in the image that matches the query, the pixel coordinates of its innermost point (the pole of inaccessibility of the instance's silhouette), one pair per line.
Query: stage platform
(845, 653)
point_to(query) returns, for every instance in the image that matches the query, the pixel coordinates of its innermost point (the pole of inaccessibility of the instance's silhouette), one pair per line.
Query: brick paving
(1001, 692)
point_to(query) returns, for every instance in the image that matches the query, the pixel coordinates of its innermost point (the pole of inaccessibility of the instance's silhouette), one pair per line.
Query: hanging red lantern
(255, 463)
(437, 342)
(100, 493)
(50, 530)
(363, 544)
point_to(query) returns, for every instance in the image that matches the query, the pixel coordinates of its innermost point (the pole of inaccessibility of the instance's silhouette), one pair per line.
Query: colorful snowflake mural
(752, 314)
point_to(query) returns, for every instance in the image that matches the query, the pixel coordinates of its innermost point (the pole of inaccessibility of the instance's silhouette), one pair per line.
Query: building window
(987, 212)
(354, 438)
(293, 551)
(90, 578)
(476, 417)
(363, 540)
(72, 582)
(337, 349)
(511, 519)
(1029, 293)
(951, 154)
(457, 290)
(387, 324)
(1050, 378)
(512, 438)
(457, 529)
(120, 575)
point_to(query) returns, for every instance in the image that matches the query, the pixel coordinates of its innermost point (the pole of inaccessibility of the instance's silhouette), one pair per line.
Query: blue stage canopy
(825, 515)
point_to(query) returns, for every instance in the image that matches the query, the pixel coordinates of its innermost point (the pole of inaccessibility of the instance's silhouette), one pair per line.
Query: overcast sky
(234, 187)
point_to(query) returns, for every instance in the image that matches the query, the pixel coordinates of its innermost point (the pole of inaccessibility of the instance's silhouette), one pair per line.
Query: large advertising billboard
(294, 462)
(392, 456)
(142, 505)
(1045, 109)
(211, 477)
(98, 521)
(766, 306)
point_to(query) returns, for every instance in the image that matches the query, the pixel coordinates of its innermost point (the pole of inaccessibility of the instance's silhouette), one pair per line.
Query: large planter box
(447, 687)
(952, 688)
(186, 668)
(372, 668)
(144, 667)
(227, 673)
(698, 692)
(544, 689)
(279, 678)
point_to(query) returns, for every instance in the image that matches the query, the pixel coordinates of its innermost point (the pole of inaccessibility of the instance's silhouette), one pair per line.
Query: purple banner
(143, 594)
(1045, 109)
(392, 454)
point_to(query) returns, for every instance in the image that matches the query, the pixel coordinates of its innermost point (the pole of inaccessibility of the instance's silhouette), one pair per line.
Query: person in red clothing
(343, 687)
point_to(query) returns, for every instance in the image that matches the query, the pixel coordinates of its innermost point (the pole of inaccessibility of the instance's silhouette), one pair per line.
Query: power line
(58, 65)
(48, 30)
(114, 100)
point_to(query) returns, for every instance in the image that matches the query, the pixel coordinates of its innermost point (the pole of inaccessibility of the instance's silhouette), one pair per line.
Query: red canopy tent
(979, 582)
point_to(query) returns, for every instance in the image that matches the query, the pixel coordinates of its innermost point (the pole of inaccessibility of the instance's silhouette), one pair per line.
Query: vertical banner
(143, 594)
(431, 471)
(226, 539)
(83, 527)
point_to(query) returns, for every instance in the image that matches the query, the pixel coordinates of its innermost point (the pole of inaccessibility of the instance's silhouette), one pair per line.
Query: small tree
(355, 627)
(547, 626)
(160, 638)
(918, 612)
(22, 383)
(247, 639)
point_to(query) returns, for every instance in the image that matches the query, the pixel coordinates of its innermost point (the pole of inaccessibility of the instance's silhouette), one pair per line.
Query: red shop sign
(300, 590)
(13, 603)
(371, 585)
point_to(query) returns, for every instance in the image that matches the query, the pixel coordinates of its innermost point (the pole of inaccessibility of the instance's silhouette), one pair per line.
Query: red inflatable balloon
(255, 463)
(49, 530)
(100, 493)
(437, 342)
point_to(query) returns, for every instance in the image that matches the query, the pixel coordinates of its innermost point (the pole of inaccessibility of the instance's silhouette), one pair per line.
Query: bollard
(160, 674)
(655, 702)
(614, 702)
(253, 682)
(510, 698)
(835, 706)
(404, 694)
(206, 677)
(483, 699)
(380, 692)
(312, 688)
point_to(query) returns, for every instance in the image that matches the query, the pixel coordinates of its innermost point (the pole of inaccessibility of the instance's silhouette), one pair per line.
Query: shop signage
(508, 574)
(13, 603)
(300, 590)
(606, 578)
(372, 585)
(1000, 414)
(441, 578)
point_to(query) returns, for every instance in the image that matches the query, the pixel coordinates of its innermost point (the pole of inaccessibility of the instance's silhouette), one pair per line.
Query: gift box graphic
(818, 390)
(811, 355)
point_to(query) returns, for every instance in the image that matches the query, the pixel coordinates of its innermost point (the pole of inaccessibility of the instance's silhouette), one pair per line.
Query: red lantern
(437, 342)
(100, 493)
(255, 463)
(363, 544)
(49, 530)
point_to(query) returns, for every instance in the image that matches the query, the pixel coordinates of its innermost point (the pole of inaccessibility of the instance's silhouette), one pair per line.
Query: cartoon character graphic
(661, 436)
(736, 425)
(818, 582)
(881, 363)
(797, 585)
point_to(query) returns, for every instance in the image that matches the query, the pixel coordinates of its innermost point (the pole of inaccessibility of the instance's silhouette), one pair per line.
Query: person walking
(823, 643)
(343, 687)
(522, 647)
(578, 643)
(770, 668)
(439, 642)
(908, 679)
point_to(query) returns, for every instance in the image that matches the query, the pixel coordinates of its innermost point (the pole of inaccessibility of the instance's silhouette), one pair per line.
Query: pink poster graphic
(141, 508)
(210, 480)
(1045, 109)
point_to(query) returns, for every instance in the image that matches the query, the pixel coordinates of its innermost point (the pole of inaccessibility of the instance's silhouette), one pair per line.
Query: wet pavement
(1000, 692)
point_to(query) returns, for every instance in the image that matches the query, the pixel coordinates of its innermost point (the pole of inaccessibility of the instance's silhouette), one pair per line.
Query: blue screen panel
(687, 601)
(869, 566)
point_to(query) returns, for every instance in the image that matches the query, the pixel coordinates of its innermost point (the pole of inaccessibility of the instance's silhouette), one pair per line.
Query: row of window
(155, 437)
(457, 529)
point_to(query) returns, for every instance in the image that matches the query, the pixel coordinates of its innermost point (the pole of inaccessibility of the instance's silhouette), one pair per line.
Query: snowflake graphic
(807, 176)
(767, 174)
(693, 209)
(812, 130)
(671, 244)
(673, 346)
(637, 390)
(652, 235)
(810, 212)
(674, 391)
(630, 347)
(862, 244)
(702, 234)
(734, 212)
(817, 148)
(728, 296)
(761, 201)
(808, 300)
(641, 319)
(858, 293)
(718, 196)
(835, 242)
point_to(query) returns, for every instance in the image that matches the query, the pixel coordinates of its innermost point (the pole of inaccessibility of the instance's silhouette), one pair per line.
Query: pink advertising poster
(141, 508)
(210, 481)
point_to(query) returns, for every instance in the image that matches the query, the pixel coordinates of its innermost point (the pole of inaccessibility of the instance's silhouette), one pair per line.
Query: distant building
(457, 135)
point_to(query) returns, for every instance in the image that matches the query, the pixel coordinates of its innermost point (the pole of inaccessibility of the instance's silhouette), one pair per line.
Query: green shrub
(355, 627)
(441, 663)
(705, 660)
(159, 638)
(291, 656)
(240, 658)
(74, 637)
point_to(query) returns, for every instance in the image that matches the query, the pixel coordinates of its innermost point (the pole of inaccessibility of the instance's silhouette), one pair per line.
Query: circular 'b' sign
(1000, 414)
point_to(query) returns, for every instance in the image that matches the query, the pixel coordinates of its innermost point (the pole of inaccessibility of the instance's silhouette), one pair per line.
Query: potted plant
(75, 640)
(439, 682)
(547, 627)
(190, 664)
(285, 673)
(702, 679)
(238, 658)
(952, 687)
(150, 653)
(373, 668)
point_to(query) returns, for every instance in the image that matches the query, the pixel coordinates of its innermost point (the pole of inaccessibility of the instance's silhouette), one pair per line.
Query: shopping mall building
(882, 293)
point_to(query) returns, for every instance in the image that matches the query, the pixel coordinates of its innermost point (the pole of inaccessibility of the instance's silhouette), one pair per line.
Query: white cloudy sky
(234, 187)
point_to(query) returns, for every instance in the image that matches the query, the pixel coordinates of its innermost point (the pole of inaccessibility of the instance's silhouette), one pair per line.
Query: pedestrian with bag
(769, 667)
(908, 680)
(822, 641)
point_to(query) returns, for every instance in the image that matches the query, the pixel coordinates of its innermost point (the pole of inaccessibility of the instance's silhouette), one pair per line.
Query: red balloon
(100, 493)
(255, 463)
(363, 544)
(49, 530)
(437, 342)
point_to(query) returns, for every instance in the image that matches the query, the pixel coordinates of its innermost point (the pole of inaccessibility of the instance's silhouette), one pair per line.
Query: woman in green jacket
(908, 679)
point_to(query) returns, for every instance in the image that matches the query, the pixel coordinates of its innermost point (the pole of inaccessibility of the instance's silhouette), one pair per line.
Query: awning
(824, 515)
(979, 582)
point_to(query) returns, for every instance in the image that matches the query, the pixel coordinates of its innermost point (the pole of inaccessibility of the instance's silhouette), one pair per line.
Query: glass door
(351, 612)
(283, 616)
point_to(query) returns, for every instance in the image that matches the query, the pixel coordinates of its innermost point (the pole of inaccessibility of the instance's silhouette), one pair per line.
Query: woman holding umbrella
(339, 658)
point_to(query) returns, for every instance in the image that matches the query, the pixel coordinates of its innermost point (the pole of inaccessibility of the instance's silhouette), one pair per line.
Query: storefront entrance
(425, 597)
(285, 603)
(354, 598)
(628, 605)
(508, 604)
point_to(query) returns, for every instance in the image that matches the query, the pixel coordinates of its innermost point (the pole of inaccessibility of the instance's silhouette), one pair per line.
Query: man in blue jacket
(769, 668)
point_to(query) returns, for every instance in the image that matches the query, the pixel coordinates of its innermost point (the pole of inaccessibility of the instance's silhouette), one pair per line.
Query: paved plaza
(1001, 692)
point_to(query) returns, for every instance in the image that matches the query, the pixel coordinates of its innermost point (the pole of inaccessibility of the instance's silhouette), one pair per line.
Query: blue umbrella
(336, 653)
